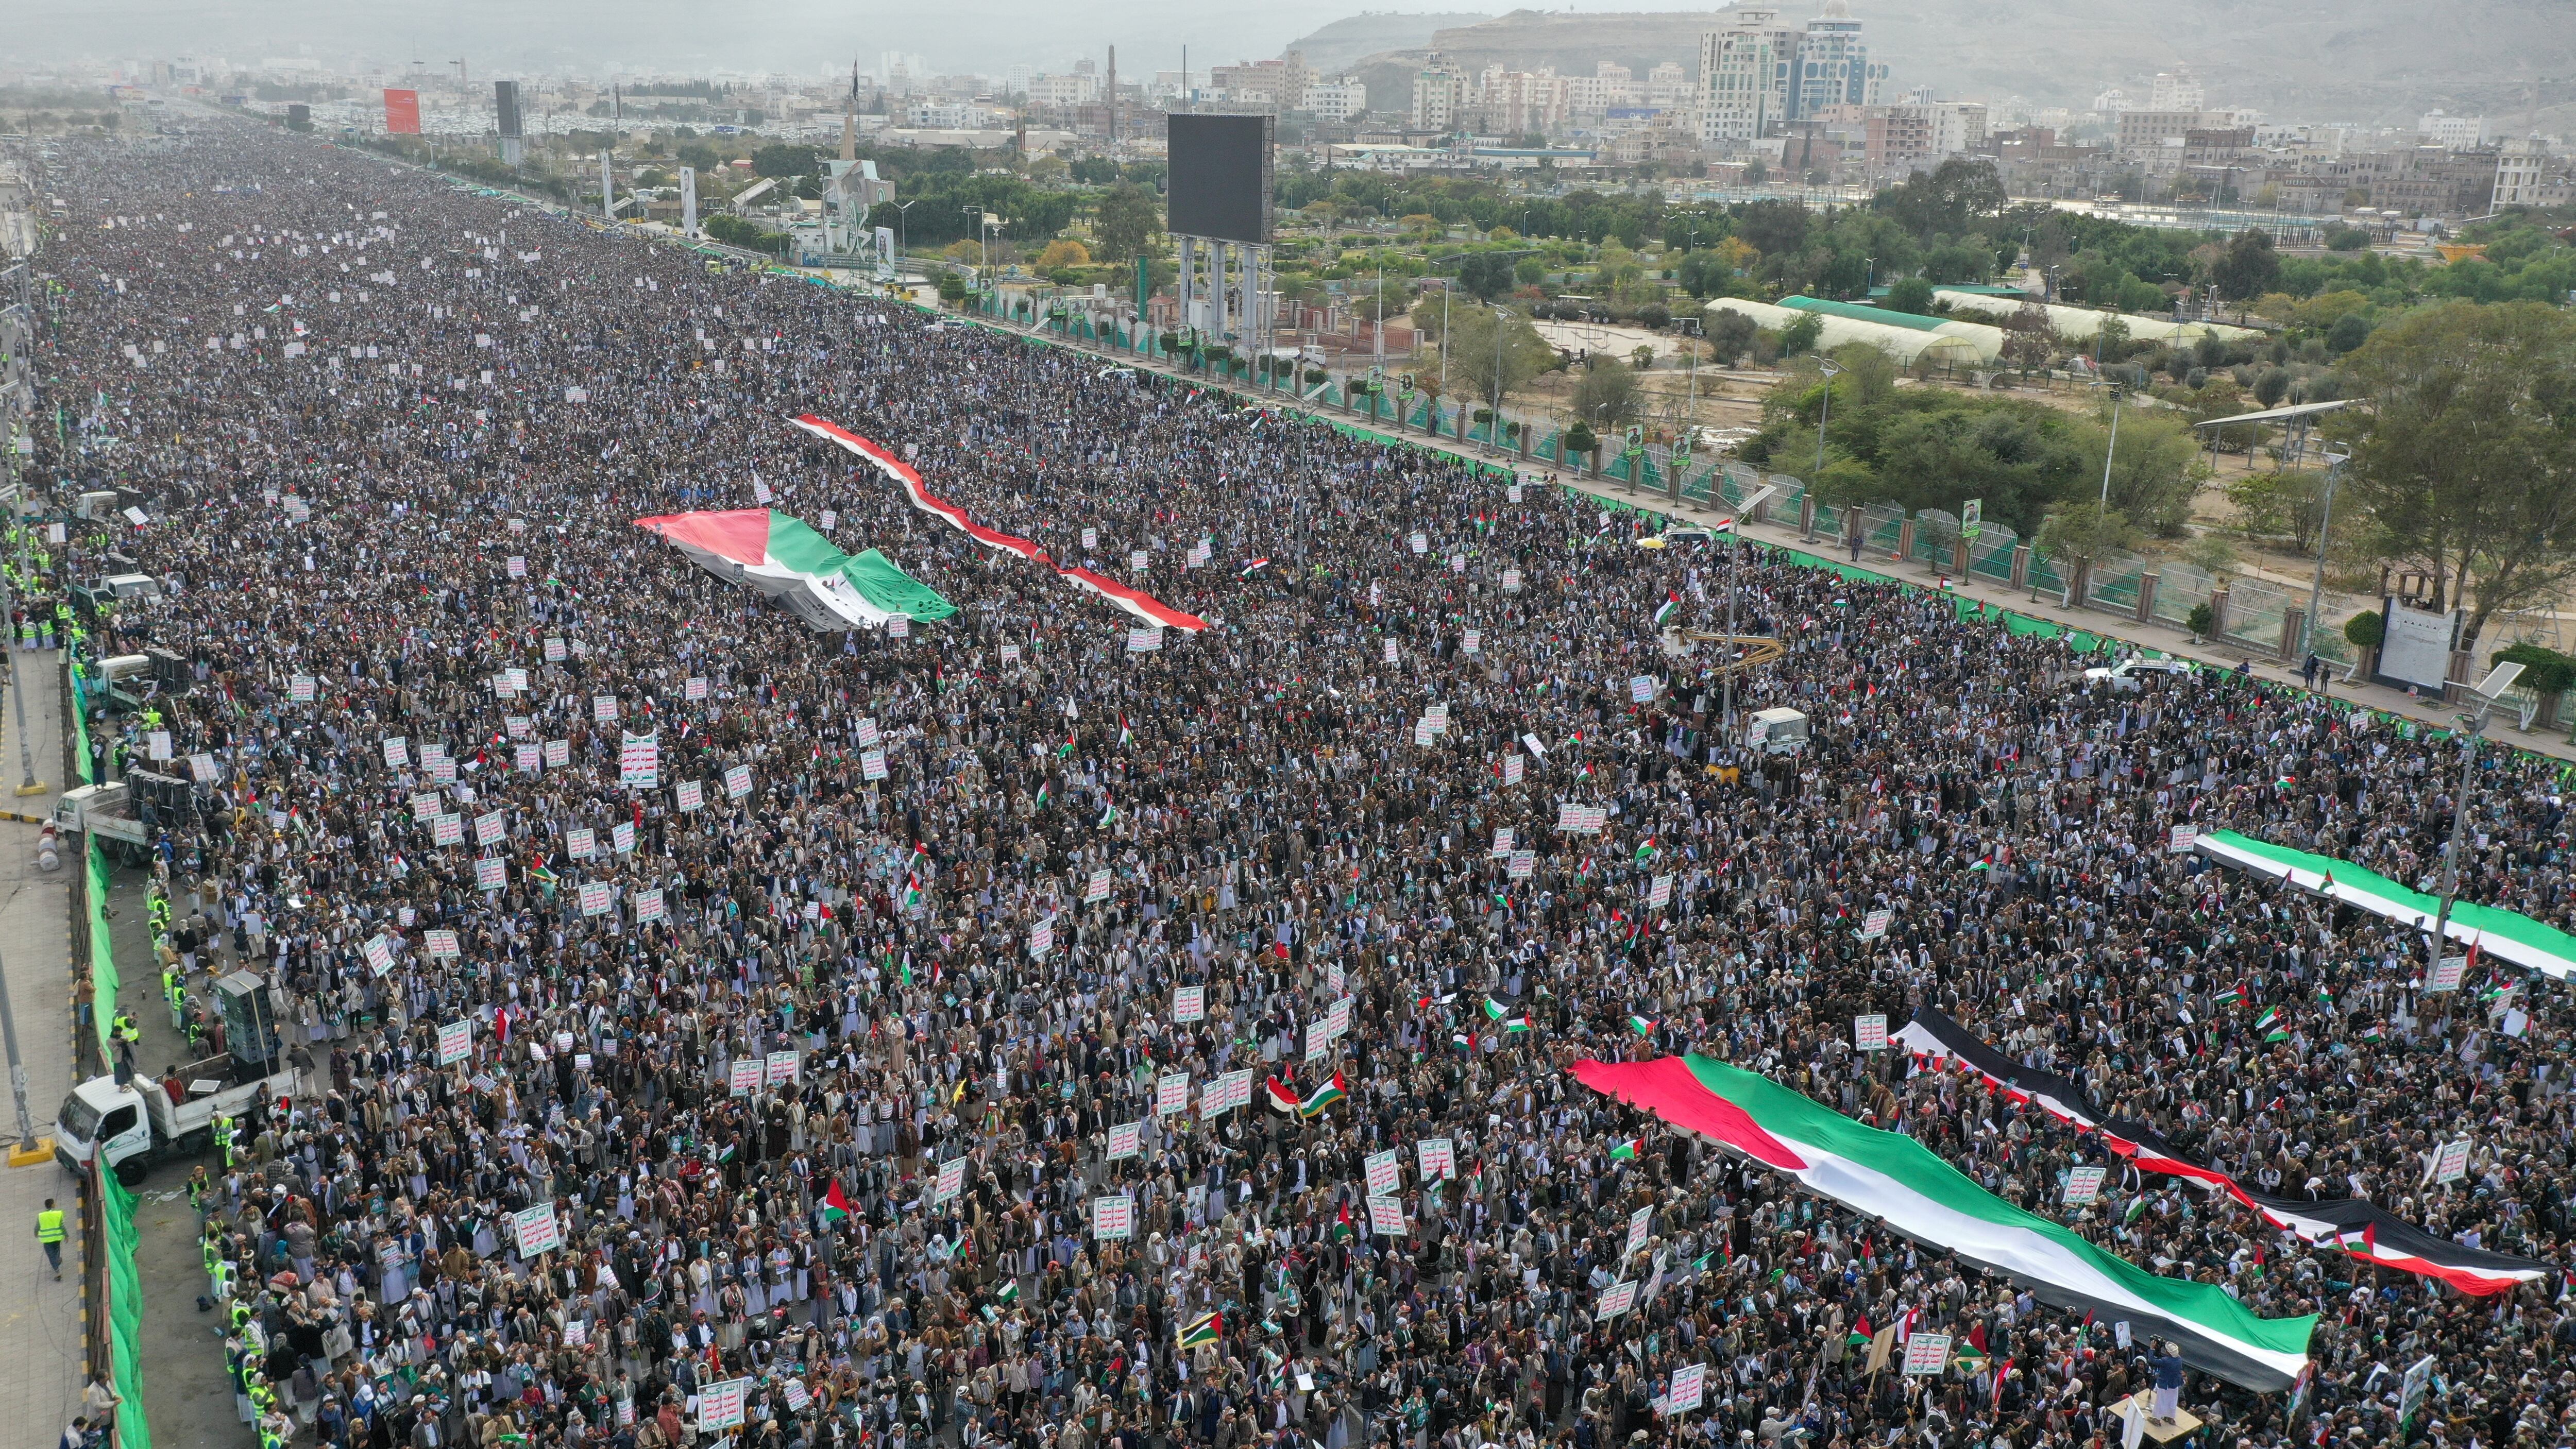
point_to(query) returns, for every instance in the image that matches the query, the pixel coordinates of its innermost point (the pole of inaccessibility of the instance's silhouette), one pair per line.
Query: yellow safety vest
(49, 1225)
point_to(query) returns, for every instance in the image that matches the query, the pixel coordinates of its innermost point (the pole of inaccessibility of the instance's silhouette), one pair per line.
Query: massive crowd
(821, 1096)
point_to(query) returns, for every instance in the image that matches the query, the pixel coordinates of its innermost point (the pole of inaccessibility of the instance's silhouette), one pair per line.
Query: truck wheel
(130, 1172)
(196, 1143)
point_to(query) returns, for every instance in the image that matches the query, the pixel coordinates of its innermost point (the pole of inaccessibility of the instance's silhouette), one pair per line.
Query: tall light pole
(1735, 586)
(2117, 392)
(1494, 429)
(2325, 524)
(2472, 725)
(1832, 370)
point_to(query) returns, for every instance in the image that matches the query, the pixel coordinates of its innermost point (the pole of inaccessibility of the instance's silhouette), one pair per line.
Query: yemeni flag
(1323, 1097)
(1205, 1329)
(781, 556)
(1895, 1179)
(1671, 606)
(835, 1206)
(1283, 1098)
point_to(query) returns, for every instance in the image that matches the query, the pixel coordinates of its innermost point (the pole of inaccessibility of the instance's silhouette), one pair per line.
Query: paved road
(40, 1319)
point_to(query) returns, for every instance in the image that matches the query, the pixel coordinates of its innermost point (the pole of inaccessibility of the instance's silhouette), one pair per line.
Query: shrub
(2365, 630)
(2201, 620)
(2544, 671)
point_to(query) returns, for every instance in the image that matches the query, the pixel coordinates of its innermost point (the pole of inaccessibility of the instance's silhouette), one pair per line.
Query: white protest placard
(1171, 1093)
(603, 707)
(779, 1068)
(742, 1076)
(536, 1230)
(1136, 559)
(1419, 543)
(2178, 840)
(1514, 768)
(692, 796)
(1522, 865)
(737, 782)
(491, 873)
(1616, 1299)
(1090, 539)
(899, 627)
(952, 1181)
(2084, 1184)
(1869, 1033)
(695, 688)
(595, 898)
(1473, 642)
(554, 649)
(202, 768)
(621, 837)
(720, 1405)
(558, 754)
(1926, 1353)
(1437, 1158)
(1097, 887)
(526, 759)
(447, 829)
(649, 907)
(157, 744)
(1386, 1217)
(2446, 974)
(1385, 1172)
(1189, 1003)
(299, 688)
(1874, 925)
(2453, 1164)
(1504, 841)
(639, 761)
(397, 752)
(442, 944)
(1659, 893)
(1144, 640)
(1126, 1139)
(1042, 938)
(866, 733)
(1642, 688)
(1113, 1217)
(380, 955)
(1390, 651)
(455, 1041)
(872, 764)
(1638, 1223)
(581, 842)
(1690, 1384)
(489, 827)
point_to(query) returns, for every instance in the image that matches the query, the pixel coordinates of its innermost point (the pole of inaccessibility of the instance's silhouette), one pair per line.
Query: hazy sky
(502, 37)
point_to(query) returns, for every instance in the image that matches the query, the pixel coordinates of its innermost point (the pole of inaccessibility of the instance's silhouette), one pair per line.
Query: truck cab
(101, 1117)
(134, 1125)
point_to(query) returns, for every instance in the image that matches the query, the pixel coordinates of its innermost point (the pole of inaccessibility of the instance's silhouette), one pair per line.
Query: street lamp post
(1832, 370)
(1734, 587)
(2108, 452)
(2325, 524)
(1494, 429)
(2473, 724)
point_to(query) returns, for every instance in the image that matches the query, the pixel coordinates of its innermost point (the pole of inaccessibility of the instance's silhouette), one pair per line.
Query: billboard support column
(607, 190)
(1189, 280)
(1216, 292)
(689, 200)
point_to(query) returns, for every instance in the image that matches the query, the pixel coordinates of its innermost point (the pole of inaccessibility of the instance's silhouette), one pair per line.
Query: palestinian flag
(1860, 1335)
(1646, 850)
(1671, 606)
(1503, 1006)
(1643, 1025)
(1343, 1229)
(1283, 1098)
(782, 557)
(1627, 1151)
(1067, 747)
(1323, 1097)
(1126, 736)
(1205, 1329)
(835, 1206)
(1044, 796)
(1009, 1292)
(2232, 996)
(1108, 813)
(2269, 1024)
(2373, 1034)
(1894, 1179)
(911, 891)
(2516, 937)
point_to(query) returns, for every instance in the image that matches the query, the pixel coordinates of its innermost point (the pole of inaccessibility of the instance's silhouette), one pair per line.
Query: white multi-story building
(2112, 102)
(1744, 76)
(1439, 93)
(1337, 100)
(1063, 90)
(1832, 65)
(2522, 169)
(2457, 132)
(2175, 90)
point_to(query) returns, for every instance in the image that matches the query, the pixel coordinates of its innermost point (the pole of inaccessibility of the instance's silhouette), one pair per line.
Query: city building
(1439, 96)
(2522, 173)
(2456, 132)
(2175, 90)
(1744, 76)
(1832, 66)
(1338, 100)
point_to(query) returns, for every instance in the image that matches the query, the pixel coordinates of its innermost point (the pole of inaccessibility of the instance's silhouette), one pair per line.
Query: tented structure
(785, 559)
(2496, 932)
(1906, 345)
(1898, 1181)
(2083, 324)
(1989, 341)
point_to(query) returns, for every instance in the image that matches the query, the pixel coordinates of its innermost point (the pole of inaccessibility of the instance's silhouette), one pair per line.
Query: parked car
(2134, 673)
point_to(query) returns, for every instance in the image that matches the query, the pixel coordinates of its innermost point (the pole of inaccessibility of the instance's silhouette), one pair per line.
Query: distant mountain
(2375, 61)
(1335, 48)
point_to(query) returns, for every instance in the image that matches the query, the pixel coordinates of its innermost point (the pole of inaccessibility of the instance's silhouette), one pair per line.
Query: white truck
(137, 1125)
(107, 812)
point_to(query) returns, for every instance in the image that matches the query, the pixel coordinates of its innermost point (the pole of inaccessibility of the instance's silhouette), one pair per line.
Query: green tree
(2249, 268)
(2084, 532)
(784, 161)
(2464, 457)
(1908, 294)
(2153, 471)
(1473, 361)
(1126, 221)
(1946, 200)
(1606, 395)
(1800, 336)
(1486, 274)
(1703, 274)
(1730, 336)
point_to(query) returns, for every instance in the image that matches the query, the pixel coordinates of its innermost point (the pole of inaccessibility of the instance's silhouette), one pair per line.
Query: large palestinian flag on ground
(785, 559)
(2494, 930)
(1898, 1181)
(1143, 606)
(2356, 1225)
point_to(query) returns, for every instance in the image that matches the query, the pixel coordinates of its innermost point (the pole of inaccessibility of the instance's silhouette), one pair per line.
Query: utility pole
(17, 402)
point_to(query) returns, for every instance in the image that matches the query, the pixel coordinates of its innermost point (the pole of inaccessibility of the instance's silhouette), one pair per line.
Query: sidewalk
(41, 1336)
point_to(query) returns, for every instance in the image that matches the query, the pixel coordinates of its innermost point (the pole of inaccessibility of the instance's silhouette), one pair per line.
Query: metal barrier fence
(1991, 556)
(1829, 521)
(2254, 615)
(1881, 524)
(2181, 587)
(2113, 586)
(1936, 537)
(2044, 577)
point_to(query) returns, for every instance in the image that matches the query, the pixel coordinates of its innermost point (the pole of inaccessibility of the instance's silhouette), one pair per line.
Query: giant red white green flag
(1142, 605)
(1899, 1182)
(779, 555)
(2496, 931)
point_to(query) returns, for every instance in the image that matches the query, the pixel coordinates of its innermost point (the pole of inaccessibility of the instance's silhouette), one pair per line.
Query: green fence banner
(124, 1314)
